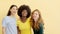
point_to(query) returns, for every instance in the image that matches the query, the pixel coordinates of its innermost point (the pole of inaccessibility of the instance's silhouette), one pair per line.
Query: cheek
(25, 13)
(37, 16)
(34, 16)
(22, 13)
(13, 11)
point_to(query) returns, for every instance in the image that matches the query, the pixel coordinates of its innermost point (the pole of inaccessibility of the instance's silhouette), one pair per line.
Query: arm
(4, 26)
(19, 32)
(3, 30)
(41, 29)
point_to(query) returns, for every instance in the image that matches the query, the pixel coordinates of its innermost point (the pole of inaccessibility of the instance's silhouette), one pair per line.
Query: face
(13, 10)
(24, 13)
(36, 15)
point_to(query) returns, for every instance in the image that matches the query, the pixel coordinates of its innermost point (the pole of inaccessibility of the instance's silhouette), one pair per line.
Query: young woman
(37, 22)
(9, 22)
(23, 23)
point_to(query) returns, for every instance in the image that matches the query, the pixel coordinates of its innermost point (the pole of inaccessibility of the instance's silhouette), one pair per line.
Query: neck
(23, 19)
(35, 21)
(12, 15)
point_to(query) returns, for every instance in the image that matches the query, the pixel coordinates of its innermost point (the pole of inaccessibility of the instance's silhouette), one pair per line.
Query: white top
(10, 24)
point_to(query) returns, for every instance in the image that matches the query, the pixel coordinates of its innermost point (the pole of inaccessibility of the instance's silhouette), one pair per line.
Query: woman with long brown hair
(9, 22)
(37, 22)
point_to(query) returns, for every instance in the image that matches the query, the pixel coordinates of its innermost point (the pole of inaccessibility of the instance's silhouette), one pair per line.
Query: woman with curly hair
(23, 23)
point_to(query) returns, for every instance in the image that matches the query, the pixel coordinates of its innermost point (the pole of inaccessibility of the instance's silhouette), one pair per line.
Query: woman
(9, 22)
(23, 23)
(37, 22)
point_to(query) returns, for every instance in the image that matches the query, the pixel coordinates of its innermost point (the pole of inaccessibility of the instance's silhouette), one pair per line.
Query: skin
(24, 14)
(13, 12)
(36, 16)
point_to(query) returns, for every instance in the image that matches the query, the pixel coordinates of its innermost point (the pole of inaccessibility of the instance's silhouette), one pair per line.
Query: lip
(14, 12)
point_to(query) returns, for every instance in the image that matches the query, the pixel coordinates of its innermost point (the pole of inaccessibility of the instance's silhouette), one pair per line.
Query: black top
(40, 31)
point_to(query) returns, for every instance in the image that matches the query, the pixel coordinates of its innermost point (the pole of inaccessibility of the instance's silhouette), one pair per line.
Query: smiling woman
(37, 22)
(23, 23)
(12, 10)
(9, 22)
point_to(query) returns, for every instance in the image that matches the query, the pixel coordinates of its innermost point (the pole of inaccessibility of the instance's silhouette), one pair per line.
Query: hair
(24, 7)
(9, 12)
(38, 22)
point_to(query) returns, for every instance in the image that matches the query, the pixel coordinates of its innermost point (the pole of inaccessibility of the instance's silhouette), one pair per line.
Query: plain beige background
(50, 11)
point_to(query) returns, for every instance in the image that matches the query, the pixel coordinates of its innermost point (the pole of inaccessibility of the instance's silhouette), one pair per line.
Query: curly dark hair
(24, 7)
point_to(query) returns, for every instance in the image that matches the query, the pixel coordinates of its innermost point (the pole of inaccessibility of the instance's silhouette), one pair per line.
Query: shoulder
(6, 18)
(17, 22)
(41, 24)
(28, 19)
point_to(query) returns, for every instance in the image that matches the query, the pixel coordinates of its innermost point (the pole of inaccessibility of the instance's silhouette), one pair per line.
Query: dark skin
(24, 14)
(18, 30)
(23, 19)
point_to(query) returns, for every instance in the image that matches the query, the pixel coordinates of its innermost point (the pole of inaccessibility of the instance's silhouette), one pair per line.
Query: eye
(36, 13)
(16, 9)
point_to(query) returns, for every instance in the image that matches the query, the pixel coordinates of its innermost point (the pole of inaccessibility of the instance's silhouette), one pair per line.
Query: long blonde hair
(38, 22)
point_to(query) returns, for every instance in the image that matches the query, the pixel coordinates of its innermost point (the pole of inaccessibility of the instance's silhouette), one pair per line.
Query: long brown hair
(9, 12)
(38, 22)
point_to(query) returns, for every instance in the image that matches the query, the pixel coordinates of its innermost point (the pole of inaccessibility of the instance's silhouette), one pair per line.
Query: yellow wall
(49, 10)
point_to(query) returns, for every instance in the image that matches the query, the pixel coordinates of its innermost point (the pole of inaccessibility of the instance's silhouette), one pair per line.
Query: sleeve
(32, 30)
(4, 22)
(41, 29)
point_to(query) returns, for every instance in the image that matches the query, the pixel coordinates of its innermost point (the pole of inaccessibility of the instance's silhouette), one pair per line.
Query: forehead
(14, 7)
(24, 11)
(36, 12)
